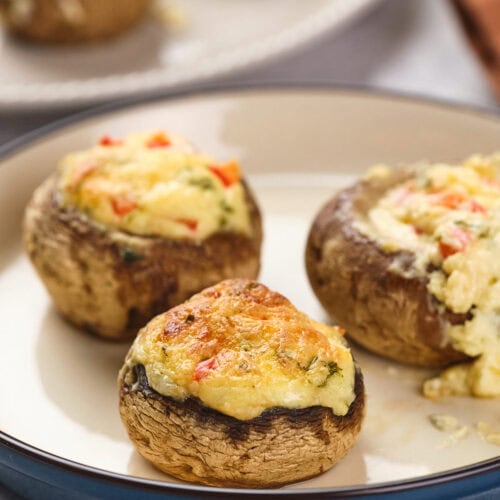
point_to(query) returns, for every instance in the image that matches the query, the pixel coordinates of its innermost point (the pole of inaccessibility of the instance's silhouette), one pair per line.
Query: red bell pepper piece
(159, 140)
(108, 141)
(204, 368)
(228, 173)
(459, 243)
(123, 205)
(191, 224)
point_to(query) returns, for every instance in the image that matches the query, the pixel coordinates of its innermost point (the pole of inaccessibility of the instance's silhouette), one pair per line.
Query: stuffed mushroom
(71, 20)
(236, 387)
(409, 261)
(133, 226)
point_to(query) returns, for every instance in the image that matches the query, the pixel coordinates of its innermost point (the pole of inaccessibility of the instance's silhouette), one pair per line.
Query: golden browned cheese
(241, 348)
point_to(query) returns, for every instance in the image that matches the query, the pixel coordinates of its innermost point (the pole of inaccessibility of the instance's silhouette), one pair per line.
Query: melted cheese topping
(241, 349)
(154, 184)
(449, 216)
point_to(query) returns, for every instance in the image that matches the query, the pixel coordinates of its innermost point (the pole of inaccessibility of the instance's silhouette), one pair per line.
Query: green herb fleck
(333, 368)
(222, 222)
(424, 183)
(245, 346)
(164, 350)
(226, 207)
(128, 255)
(202, 182)
(481, 230)
(311, 362)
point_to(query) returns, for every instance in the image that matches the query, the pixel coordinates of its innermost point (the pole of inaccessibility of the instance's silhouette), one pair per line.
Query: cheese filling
(243, 350)
(155, 185)
(449, 216)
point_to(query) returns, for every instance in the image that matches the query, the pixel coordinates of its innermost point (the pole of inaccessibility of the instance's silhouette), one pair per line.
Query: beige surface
(320, 140)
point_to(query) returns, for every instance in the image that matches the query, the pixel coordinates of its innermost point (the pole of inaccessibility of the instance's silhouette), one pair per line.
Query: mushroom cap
(235, 387)
(81, 20)
(111, 282)
(195, 443)
(386, 311)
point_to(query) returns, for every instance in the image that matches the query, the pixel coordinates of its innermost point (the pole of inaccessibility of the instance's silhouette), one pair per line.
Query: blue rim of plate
(26, 450)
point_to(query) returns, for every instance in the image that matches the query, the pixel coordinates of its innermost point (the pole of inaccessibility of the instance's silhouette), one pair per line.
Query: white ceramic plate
(298, 147)
(218, 36)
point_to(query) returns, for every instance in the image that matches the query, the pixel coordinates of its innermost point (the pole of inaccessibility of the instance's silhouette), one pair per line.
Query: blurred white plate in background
(214, 37)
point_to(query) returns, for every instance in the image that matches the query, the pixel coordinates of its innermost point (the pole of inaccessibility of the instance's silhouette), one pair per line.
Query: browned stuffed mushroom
(71, 20)
(236, 387)
(134, 226)
(408, 261)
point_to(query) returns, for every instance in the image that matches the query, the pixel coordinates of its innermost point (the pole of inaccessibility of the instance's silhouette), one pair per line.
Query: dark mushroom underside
(195, 443)
(385, 311)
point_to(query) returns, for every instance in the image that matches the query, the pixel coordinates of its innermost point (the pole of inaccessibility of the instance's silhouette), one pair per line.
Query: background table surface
(413, 46)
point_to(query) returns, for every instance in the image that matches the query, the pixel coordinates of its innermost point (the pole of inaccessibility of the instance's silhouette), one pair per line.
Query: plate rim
(398, 486)
(331, 17)
(15, 146)
(202, 90)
